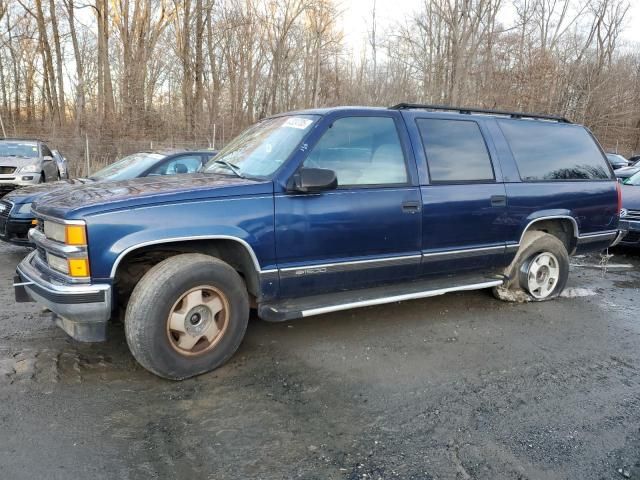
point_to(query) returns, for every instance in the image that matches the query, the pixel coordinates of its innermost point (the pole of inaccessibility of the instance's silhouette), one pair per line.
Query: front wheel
(539, 271)
(186, 316)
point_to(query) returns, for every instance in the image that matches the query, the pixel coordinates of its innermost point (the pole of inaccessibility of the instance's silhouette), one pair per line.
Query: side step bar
(319, 304)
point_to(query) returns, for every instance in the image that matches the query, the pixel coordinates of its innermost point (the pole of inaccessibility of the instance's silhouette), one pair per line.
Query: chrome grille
(631, 237)
(7, 170)
(5, 208)
(632, 215)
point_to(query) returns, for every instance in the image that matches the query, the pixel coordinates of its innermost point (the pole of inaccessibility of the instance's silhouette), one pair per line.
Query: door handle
(498, 200)
(410, 207)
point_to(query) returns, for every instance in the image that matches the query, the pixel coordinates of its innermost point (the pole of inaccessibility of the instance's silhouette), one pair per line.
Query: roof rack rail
(469, 111)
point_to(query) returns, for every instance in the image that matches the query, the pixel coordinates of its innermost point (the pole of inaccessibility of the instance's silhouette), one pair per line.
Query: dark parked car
(15, 211)
(617, 161)
(318, 211)
(25, 162)
(630, 214)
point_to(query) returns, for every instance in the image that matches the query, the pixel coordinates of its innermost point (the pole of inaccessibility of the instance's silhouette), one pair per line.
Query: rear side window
(455, 151)
(548, 151)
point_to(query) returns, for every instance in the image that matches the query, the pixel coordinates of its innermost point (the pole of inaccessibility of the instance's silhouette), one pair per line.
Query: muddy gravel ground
(455, 387)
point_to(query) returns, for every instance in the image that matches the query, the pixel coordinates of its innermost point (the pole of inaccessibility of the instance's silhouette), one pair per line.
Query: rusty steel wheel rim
(198, 320)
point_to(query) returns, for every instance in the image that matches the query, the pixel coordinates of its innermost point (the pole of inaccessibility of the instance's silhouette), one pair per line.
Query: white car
(25, 162)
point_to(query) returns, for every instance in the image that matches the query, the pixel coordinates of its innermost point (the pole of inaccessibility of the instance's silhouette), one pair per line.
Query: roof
(20, 139)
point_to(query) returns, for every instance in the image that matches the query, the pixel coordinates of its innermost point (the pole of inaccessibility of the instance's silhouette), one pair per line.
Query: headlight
(74, 267)
(30, 169)
(68, 234)
(58, 263)
(24, 208)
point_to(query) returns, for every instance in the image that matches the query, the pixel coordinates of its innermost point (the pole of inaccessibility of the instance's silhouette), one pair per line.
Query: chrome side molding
(399, 298)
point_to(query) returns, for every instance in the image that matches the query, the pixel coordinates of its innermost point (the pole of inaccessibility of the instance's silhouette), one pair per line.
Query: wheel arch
(232, 250)
(564, 227)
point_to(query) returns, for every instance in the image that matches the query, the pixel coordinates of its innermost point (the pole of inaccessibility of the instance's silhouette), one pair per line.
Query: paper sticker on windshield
(297, 122)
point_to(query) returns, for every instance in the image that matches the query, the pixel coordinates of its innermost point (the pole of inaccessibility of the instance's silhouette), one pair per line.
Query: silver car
(25, 162)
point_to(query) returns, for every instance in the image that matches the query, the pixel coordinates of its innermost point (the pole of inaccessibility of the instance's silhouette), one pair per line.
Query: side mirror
(47, 158)
(312, 180)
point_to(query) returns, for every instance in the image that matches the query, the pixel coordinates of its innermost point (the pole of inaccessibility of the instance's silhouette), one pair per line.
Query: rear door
(367, 231)
(464, 200)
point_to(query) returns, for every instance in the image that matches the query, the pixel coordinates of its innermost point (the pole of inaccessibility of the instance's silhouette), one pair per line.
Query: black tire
(533, 244)
(154, 298)
(42, 178)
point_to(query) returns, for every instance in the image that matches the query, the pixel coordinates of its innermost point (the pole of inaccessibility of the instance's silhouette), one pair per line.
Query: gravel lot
(454, 387)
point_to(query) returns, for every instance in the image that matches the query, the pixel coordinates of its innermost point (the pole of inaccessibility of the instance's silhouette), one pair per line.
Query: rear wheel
(186, 316)
(539, 270)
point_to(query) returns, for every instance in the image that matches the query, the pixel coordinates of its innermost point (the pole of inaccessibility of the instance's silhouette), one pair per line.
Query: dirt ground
(455, 387)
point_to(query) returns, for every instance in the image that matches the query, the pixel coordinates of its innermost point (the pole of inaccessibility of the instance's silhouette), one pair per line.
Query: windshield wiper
(230, 166)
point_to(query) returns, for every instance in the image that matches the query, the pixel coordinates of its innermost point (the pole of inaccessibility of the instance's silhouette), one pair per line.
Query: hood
(32, 192)
(17, 161)
(627, 170)
(96, 197)
(631, 197)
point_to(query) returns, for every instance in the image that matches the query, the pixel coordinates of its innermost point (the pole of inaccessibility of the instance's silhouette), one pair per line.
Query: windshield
(19, 149)
(128, 167)
(261, 149)
(616, 158)
(633, 180)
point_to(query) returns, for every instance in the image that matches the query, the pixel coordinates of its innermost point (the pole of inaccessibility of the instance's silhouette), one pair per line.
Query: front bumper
(632, 237)
(18, 179)
(15, 230)
(83, 309)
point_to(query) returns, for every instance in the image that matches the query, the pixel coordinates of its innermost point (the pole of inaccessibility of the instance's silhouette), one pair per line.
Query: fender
(246, 220)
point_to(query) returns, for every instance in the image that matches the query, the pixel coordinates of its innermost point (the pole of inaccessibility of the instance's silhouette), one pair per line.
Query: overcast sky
(357, 17)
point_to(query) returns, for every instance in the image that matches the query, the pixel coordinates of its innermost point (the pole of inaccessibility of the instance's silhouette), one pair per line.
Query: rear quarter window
(549, 151)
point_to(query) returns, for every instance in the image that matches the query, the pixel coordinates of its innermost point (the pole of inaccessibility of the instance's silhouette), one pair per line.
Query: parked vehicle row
(319, 211)
(630, 214)
(16, 218)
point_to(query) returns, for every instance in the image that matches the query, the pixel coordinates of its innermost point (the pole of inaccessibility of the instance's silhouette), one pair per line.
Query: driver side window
(179, 165)
(361, 151)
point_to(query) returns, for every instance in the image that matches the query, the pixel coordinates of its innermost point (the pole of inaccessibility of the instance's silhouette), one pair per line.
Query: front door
(367, 231)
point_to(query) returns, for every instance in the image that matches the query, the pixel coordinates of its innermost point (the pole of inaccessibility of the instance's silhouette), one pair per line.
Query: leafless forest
(123, 75)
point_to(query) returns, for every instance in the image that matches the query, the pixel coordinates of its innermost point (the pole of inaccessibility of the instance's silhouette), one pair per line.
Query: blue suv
(318, 211)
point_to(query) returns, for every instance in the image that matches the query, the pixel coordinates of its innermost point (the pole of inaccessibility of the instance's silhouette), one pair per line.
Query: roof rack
(469, 111)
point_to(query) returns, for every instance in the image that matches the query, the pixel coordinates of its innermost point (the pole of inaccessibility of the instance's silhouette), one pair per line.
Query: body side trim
(463, 251)
(354, 262)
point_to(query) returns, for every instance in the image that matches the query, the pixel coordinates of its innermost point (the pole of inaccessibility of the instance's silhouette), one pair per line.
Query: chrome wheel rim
(543, 275)
(198, 320)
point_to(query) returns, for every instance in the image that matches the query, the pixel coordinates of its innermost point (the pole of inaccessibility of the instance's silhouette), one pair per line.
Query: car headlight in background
(30, 169)
(67, 234)
(24, 208)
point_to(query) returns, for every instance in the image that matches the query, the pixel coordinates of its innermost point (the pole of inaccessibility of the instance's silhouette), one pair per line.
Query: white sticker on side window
(297, 122)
